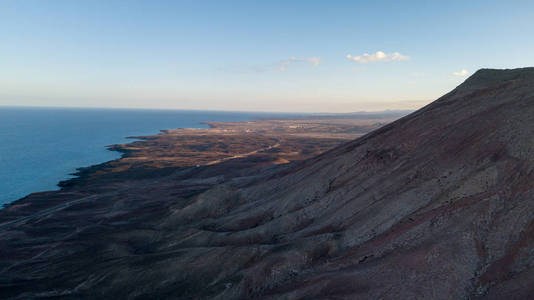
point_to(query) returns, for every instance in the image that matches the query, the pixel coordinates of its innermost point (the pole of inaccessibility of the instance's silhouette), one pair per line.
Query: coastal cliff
(436, 205)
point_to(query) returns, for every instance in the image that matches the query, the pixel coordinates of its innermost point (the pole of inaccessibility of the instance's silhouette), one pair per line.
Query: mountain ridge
(438, 204)
(458, 145)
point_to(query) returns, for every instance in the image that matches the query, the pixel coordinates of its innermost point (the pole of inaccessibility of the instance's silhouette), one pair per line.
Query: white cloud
(280, 65)
(378, 56)
(462, 73)
(315, 61)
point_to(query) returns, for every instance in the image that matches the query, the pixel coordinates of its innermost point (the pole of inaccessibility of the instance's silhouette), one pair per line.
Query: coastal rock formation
(436, 205)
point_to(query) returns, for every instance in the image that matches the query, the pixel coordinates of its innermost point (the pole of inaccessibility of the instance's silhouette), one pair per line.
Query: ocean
(41, 146)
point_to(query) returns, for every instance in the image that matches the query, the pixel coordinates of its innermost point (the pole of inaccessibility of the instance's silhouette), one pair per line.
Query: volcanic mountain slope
(437, 205)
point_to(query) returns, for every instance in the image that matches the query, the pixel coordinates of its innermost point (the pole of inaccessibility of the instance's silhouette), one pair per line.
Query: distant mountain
(362, 115)
(436, 205)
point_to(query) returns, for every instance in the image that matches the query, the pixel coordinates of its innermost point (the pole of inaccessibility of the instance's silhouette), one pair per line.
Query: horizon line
(211, 110)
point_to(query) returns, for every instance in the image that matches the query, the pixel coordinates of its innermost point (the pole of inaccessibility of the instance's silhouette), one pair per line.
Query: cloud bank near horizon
(315, 61)
(378, 56)
(461, 73)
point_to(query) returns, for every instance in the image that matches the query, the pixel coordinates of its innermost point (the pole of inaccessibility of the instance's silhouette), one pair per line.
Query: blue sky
(252, 55)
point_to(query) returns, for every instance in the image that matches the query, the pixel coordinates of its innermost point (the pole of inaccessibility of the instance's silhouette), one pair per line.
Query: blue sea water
(41, 146)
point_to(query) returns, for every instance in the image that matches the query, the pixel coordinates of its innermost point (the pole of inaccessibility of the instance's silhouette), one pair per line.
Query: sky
(298, 56)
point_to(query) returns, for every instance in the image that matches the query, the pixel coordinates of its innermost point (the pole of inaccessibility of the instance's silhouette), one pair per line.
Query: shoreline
(60, 155)
(68, 139)
(233, 146)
